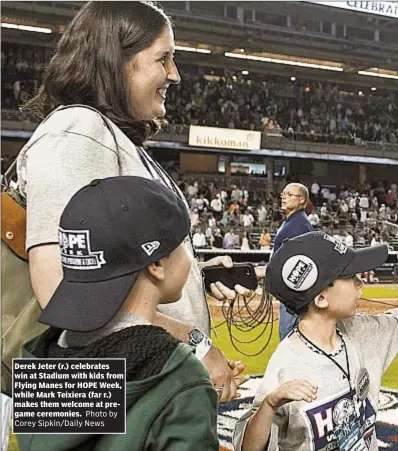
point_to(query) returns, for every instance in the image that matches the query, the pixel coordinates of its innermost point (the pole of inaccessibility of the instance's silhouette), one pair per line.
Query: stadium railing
(16, 120)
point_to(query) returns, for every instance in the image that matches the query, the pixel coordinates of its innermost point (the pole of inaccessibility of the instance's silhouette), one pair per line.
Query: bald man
(294, 200)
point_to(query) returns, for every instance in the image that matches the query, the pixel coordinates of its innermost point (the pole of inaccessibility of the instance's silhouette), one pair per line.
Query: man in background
(229, 240)
(294, 201)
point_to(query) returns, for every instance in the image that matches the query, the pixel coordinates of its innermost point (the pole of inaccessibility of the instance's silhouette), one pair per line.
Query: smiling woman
(150, 74)
(110, 49)
(103, 95)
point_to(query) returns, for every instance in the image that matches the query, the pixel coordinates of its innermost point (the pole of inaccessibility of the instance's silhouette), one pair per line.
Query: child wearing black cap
(321, 387)
(120, 261)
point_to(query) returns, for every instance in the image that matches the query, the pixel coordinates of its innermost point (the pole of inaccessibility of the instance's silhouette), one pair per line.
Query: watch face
(195, 336)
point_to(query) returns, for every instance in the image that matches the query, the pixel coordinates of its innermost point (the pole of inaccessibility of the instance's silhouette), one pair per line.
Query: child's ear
(156, 270)
(321, 301)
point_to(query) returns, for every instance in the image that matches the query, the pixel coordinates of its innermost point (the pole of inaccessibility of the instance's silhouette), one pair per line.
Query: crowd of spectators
(299, 109)
(225, 216)
(21, 71)
(356, 214)
(231, 217)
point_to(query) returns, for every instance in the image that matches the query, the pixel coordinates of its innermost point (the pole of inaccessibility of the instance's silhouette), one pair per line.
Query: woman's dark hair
(89, 64)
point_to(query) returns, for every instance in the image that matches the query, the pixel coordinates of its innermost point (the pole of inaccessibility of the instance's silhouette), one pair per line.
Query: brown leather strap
(13, 225)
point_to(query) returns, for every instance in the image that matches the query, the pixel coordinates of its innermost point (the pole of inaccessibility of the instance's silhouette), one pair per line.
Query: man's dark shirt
(218, 241)
(295, 225)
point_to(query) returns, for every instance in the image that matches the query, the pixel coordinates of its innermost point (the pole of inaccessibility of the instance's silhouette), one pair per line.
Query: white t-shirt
(315, 188)
(245, 244)
(314, 219)
(66, 152)
(325, 193)
(372, 343)
(364, 202)
(352, 203)
(192, 190)
(216, 205)
(247, 220)
(199, 239)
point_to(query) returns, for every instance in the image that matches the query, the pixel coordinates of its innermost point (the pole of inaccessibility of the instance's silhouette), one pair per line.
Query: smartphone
(240, 274)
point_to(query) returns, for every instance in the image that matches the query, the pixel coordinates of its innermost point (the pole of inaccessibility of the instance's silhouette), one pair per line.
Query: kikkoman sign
(224, 138)
(383, 8)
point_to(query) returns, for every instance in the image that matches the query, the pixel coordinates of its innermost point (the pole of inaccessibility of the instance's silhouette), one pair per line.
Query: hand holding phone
(240, 274)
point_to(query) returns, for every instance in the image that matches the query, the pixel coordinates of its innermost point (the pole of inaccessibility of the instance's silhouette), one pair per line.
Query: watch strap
(203, 348)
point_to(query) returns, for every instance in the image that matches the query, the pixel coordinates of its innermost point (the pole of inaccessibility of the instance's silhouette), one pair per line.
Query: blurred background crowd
(232, 217)
(302, 109)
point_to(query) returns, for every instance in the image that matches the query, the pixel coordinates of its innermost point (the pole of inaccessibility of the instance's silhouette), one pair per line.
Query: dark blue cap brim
(366, 259)
(83, 307)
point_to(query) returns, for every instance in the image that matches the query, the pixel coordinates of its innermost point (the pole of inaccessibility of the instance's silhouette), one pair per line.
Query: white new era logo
(150, 248)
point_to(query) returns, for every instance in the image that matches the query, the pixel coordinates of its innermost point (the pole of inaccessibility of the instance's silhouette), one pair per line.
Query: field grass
(380, 291)
(256, 365)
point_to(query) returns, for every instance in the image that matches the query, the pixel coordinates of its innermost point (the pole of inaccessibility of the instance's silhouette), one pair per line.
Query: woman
(115, 57)
(246, 242)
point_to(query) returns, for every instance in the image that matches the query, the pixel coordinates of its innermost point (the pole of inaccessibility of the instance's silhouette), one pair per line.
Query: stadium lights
(191, 49)
(377, 74)
(25, 28)
(283, 61)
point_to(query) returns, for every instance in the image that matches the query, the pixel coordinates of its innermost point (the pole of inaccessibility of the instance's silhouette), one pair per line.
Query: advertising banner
(387, 9)
(224, 138)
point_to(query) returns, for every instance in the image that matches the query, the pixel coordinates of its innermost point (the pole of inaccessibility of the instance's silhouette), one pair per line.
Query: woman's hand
(219, 290)
(225, 374)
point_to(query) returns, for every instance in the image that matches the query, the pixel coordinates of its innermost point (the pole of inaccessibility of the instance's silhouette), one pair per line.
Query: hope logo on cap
(300, 273)
(76, 250)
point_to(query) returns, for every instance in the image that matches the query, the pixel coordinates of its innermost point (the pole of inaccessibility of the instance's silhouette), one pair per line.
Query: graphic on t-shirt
(340, 425)
(76, 250)
(347, 430)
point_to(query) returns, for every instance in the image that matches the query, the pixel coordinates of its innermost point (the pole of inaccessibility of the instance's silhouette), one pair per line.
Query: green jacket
(172, 408)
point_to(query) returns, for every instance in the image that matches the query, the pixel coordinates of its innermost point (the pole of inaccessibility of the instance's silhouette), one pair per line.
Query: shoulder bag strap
(7, 177)
(106, 120)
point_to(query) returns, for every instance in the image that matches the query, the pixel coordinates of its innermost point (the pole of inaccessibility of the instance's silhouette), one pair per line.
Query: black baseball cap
(305, 265)
(110, 230)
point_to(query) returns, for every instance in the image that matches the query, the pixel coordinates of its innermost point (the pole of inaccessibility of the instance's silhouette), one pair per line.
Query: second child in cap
(321, 386)
(120, 261)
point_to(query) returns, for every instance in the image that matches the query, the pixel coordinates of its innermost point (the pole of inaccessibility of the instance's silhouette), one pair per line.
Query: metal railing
(299, 142)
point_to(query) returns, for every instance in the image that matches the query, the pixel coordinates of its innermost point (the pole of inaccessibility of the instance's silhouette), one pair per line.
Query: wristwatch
(195, 337)
(200, 342)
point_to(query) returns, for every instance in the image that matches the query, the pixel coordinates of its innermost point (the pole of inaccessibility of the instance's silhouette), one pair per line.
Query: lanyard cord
(346, 373)
(152, 165)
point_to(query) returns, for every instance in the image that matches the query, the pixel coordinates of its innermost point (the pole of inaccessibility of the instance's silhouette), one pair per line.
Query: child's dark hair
(302, 310)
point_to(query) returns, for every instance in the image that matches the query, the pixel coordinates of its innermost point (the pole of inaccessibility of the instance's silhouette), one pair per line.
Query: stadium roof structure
(301, 37)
